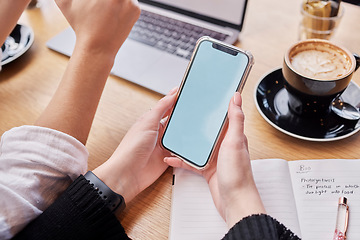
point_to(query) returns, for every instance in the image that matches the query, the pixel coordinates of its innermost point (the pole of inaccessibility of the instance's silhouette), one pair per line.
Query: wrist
(244, 203)
(120, 182)
(96, 50)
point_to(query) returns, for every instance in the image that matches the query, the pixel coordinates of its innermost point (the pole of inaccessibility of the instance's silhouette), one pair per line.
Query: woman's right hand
(230, 176)
(238, 195)
(100, 25)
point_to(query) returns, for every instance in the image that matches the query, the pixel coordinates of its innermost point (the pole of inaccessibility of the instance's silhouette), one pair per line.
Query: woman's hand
(230, 176)
(100, 26)
(138, 160)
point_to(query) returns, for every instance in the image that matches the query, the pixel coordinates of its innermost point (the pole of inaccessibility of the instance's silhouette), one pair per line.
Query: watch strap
(113, 200)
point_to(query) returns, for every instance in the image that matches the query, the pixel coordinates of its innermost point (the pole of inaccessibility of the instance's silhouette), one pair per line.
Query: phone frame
(224, 124)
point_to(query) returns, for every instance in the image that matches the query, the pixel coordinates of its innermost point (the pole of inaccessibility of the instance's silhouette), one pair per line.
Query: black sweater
(80, 213)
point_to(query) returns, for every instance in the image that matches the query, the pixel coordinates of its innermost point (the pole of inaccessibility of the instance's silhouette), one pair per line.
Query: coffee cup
(316, 72)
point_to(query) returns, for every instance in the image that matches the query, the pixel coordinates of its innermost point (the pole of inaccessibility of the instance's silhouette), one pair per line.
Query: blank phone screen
(202, 105)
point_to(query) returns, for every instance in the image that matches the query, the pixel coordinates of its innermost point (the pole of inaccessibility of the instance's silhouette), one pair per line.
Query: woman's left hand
(138, 160)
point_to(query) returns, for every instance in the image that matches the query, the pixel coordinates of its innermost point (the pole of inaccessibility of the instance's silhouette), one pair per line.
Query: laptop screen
(223, 12)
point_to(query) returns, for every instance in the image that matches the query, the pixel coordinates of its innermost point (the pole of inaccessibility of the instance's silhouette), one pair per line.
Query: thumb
(236, 115)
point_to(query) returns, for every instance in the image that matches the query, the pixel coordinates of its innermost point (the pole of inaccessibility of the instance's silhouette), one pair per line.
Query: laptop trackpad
(149, 67)
(166, 75)
(133, 59)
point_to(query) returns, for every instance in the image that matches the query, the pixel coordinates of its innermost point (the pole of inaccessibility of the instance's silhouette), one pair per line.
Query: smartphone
(215, 71)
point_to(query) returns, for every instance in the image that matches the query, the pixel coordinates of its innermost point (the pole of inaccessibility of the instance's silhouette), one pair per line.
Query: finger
(162, 126)
(162, 107)
(246, 143)
(178, 163)
(171, 92)
(167, 102)
(175, 162)
(236, 115)
(151, 119)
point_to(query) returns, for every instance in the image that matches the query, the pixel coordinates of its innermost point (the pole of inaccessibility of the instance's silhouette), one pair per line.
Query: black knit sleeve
(259, 227)
(79, 213)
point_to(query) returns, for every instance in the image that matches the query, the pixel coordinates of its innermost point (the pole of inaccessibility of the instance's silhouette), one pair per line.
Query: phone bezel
(225, 120)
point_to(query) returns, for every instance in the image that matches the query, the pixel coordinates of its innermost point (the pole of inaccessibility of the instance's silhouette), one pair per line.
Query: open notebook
(302, 194)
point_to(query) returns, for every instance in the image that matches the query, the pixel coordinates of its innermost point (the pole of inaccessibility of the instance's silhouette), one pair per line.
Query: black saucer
(17, 43)
(271, 99)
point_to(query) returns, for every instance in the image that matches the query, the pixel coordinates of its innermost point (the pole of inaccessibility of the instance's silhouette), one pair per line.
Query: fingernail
(172, 91)
(237, 99)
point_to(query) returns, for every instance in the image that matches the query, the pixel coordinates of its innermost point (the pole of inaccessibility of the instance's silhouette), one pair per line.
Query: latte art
(321, 65)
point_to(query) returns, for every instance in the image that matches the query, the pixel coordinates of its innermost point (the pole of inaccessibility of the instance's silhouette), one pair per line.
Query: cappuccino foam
(320, 64)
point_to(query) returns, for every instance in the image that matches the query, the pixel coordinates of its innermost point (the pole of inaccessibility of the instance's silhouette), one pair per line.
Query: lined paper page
(273, 181)
(194, 216)
(318, 184)
(193, 213)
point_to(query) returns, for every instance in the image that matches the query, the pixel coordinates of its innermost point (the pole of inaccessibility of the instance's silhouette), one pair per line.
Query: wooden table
(27, 85)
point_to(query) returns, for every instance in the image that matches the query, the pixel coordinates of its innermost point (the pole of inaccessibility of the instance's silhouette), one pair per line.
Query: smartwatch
(113, 200)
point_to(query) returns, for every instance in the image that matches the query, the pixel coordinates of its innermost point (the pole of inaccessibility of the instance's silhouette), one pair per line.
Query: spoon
(345, 110)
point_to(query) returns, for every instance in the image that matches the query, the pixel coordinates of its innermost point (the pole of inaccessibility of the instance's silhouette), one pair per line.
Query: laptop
(158, 49)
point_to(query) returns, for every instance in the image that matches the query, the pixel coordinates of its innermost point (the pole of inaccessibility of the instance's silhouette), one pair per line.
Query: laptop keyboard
(170, 35)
